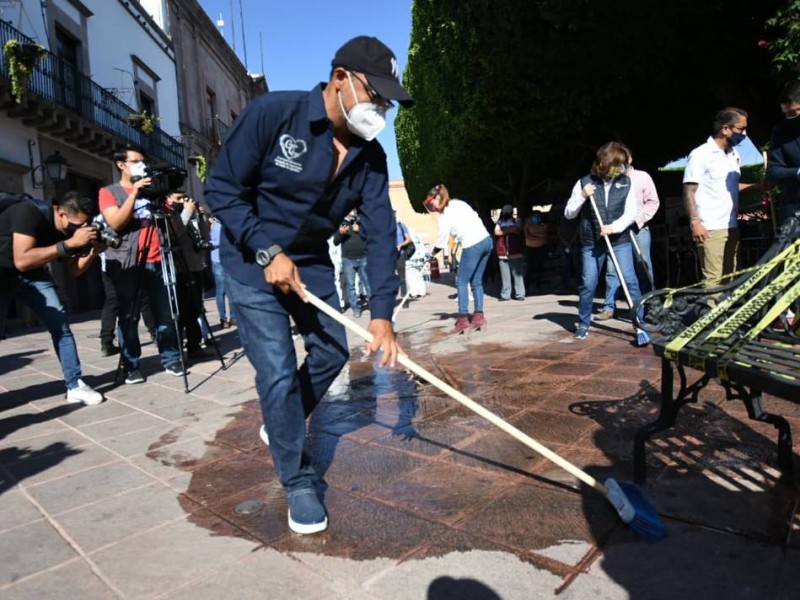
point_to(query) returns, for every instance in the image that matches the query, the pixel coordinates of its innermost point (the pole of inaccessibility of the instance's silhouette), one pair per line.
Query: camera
(198, 239)
(197, 223)
(107, 235)
(350, 221)
(163, 181)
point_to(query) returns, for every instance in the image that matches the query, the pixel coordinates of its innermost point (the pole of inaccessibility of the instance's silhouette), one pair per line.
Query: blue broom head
(636, 510)
(642, 339)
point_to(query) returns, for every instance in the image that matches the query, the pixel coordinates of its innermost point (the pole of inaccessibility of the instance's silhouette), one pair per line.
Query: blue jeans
(593, 258)
(512, 268)
(221, 289)
(42, 298)
(351, 266)
(288, 394)
(470, 272)
(127, 283)
(643, 238)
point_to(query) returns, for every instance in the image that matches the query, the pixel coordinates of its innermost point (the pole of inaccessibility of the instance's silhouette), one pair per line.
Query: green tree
(785, 46)
(513, 93)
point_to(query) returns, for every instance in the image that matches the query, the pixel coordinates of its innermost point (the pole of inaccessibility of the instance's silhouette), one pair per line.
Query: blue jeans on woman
(593, 258)
(221, 290)
(470, 273)
(287, 393)
(40, 295)
(612, 279)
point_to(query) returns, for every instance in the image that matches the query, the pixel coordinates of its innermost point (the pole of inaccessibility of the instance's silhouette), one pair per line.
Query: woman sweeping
(460, 220)
(610, 188)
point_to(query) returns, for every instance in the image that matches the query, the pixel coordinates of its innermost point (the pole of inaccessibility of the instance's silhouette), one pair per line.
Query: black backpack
(7, 201)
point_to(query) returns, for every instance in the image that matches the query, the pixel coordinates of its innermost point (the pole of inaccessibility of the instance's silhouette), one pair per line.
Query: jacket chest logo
(292, 149)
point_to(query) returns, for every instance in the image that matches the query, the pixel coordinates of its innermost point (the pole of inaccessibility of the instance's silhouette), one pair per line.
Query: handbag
(409, 250)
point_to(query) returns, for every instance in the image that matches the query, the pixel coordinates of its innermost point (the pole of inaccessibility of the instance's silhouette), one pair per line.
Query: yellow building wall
(424, 224)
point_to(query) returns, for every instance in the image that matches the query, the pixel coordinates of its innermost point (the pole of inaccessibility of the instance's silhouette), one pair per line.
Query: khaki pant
(718, 254)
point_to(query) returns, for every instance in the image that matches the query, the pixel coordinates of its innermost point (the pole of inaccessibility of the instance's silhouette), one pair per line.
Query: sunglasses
(374, 96)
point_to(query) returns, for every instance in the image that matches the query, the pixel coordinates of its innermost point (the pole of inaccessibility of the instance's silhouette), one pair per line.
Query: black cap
(372, 57)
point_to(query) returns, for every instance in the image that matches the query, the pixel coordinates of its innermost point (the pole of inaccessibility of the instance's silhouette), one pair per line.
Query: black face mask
(72, 228)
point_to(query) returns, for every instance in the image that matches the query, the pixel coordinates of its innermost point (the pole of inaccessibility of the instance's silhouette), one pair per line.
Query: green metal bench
(736, 333)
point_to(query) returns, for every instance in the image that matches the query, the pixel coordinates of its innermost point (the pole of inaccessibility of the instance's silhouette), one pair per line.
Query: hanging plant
(143, 121)
(200, 166)
(21, 59)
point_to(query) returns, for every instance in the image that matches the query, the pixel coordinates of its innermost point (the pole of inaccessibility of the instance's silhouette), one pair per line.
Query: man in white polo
(711, 194)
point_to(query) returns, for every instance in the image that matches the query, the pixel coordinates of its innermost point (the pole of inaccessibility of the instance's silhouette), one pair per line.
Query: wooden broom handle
(406, 362)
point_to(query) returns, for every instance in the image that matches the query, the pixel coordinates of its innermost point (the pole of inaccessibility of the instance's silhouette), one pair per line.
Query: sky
(300, 38)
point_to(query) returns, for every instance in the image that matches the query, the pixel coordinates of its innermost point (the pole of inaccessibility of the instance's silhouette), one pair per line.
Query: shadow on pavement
(447, 588)
(715, 482)
(34, 461)
(13, 362)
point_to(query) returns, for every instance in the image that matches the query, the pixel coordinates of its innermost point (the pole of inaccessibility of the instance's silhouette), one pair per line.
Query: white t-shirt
(716, 174)
(461, 221)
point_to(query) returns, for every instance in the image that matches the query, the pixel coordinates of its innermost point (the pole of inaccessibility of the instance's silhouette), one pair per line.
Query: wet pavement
(159, 493)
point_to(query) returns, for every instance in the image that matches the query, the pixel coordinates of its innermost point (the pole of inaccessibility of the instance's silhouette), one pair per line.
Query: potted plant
(143, 121)
(200, 166)
(21, 59)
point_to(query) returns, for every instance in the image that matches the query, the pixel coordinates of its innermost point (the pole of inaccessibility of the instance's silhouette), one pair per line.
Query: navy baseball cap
(372, 57)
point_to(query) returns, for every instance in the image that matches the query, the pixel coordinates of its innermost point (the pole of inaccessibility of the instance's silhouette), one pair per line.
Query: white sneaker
(262, 433)
(83, 393)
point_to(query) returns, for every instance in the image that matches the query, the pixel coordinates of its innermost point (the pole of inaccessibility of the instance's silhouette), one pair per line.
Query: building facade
(104, 63)
(100, 63)
(213, 84)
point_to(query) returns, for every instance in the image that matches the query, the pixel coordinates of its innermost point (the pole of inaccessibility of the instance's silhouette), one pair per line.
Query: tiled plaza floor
(160, 493)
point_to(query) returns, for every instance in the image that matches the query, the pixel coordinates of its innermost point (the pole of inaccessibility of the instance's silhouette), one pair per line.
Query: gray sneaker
(134, 376)
(603, 315)
(262, 433)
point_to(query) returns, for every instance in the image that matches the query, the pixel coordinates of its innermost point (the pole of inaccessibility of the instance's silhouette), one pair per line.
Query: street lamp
(55, 168)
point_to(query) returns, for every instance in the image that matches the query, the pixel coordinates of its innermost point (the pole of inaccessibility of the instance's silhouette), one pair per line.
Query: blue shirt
(400, 234)
(270, 185)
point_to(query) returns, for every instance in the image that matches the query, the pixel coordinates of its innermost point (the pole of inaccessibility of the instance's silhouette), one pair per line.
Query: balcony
(69, 106)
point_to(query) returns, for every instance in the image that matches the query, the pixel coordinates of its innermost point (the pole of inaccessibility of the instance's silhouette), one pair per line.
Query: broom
(642, 339)
(632, 507)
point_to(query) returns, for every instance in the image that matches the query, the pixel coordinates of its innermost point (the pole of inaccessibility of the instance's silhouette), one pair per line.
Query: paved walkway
(159, 493)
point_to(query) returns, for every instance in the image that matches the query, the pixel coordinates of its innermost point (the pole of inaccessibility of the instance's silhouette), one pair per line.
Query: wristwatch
(265, 257)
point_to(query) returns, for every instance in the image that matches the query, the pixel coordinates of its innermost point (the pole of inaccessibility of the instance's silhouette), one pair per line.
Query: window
(146, 81)
(68, 50)
(146, 103)
(211, 113)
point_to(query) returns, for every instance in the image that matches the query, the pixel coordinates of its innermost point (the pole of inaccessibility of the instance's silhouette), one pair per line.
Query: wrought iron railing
(59, 83)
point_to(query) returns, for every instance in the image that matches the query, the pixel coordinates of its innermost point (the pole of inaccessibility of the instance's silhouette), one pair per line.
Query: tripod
(163, 228)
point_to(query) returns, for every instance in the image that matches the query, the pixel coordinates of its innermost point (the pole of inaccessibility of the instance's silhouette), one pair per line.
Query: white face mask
(138, 169)
(365, 119)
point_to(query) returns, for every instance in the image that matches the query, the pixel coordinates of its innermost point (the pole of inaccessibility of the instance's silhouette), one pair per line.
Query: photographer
(191, 245)
(135, 266)
(31, 236)
(354, 259)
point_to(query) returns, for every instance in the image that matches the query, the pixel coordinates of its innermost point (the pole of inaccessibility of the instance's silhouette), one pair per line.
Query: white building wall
(117, 31)
(114, 38)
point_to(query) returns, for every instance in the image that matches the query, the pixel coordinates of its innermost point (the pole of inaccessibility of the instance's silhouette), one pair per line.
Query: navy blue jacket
(270, 186)
(783, 160)
(590, 229)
